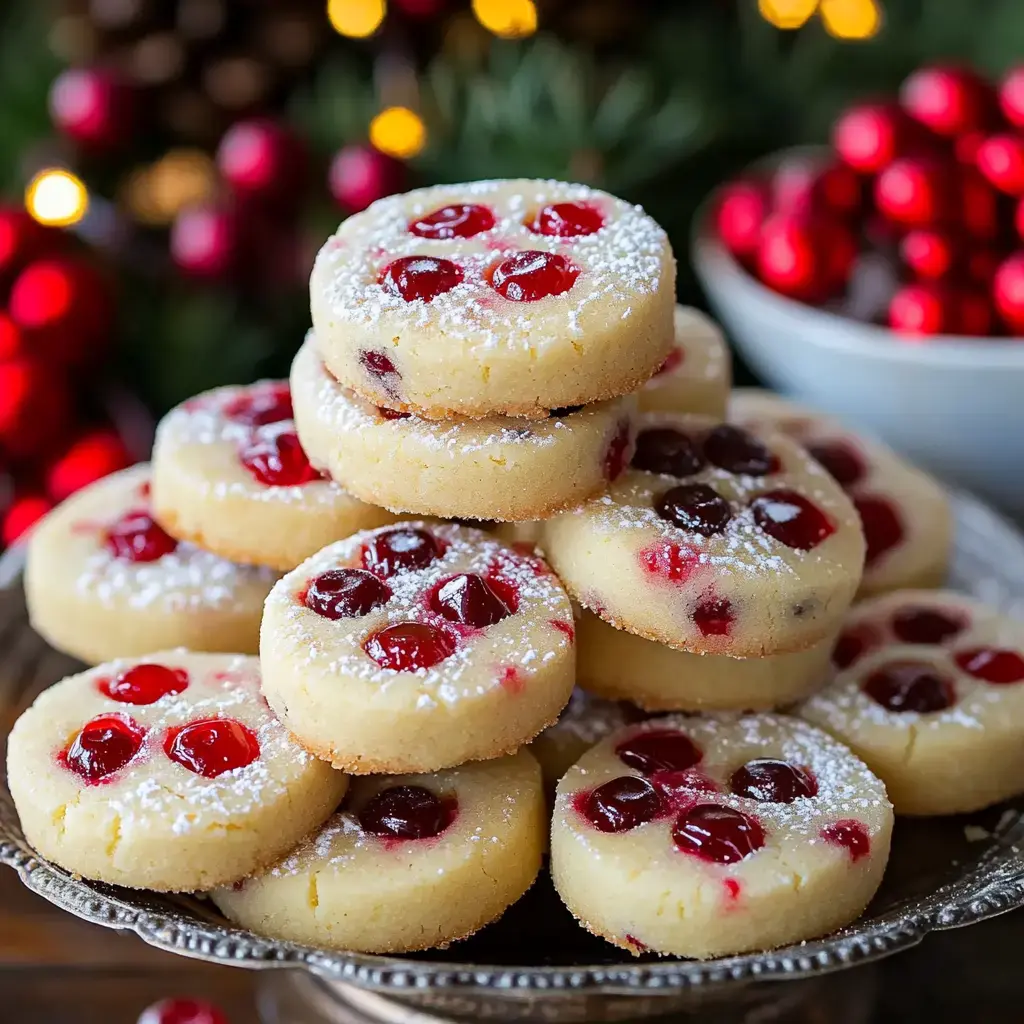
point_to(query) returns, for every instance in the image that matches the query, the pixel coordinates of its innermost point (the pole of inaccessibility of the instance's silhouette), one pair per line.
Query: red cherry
(212, 746)
(90, 458)
(804, 259)
(667, 451)
(773, 781)
(261, 404)
(695, 507)
(1011, 96)
(182, 1011)
(409, 646)
(926, 625)
(922, 310)
(106, 744)
(870, 136)
(360, 175)
(792, 519)
(402, 549)
(659, 750)
(992, 664)
(467, 599)
(622, 804)
(382, 370)
(928, 252)
(734, 450)
(915, 191)
(205, 241)
(882, 525)
(910, 686)
(614, 462)
(346, 593)
(138, 537)
(1001, 159)
(948, 100)
(844, 463)
(420, 277)
(851, 835)
(262, 158)
(566, 220)
(92, 107)
(145, 683)
(1008, 291)
(278, 460)
(717, 834)
(714, 617)
(460, 220)
(742, 209)
(22, 514)
(407, 812)
(805, 187)
(532, 275)
(852, 644)
(669, 561)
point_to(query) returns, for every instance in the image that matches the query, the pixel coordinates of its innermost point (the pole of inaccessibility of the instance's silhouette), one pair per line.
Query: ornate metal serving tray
(536, 963)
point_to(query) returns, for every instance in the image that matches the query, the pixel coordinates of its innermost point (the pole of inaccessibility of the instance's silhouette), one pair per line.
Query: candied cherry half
(261, 404)
(566, 220)
(717, 834)
(910, 686)
(277, 460)
(773, 781)
(667, 451)
(532, 275)
(103, 747)
(852, 644)
(469, 599)
(792, 519)
(926, 625)
(849, 834)
(138, 537)
(696, 507)
(622, 804)
(145, 683)
(212, 746)
(882, 525)
(736, 451)
(407, 812)
(182, 1011)
(457, 220)
(844, 464)
(420, 277)
(999, 666)
(659, 750)
(346, 593)
(400, 550)
(409, 646)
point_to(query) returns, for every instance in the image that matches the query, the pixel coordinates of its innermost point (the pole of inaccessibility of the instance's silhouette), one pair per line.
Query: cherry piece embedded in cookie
(910, 686)
(992, 665)
(104, 746)
(772, 781)
(843, 463)
(407, 812)
(278, 461)
(566, 220)
(532, 275)
(420, 277)
(659, 750)
(409, 646)
(882, 525)
(792, 519)
(261, 405)
(851, 835)
(926, 625)
(400, 550)
(622, 804)
(852, 644)
(615, 455)
(182, 1011)
(391, 414)
(714, 616)
(469, 600)
(672, 360)
(695, 507)
(346, 593)
(667, 451)
(734, 450)
(145, 684)
(459, 220)
(379, 366)
(212, 746)
(137, 537)
(717, 834)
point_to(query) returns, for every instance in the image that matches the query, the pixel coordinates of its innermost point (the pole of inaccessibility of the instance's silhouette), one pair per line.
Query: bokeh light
(356, 19)
(57, 198)
(510, 19)
(851, 19)
(182, 177)
(788, 14)
(398, 132)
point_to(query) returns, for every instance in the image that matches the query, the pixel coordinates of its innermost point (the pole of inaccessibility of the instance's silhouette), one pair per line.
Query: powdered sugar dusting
(588, 719)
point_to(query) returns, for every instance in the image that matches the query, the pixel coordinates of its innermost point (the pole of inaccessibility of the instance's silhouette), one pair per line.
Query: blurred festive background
(169, 167)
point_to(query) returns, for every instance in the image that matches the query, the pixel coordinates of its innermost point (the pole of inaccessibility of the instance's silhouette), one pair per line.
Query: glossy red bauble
(360, 175)
(88, 459)
(205, 241)
(92, 107)
(930, 308)
(928, 252)
(1001, 159)
(948, 100)
(806, 259)
(742, 209)
(1011, 96)
(1008, 292)
(809, 187)
(263, 159)
(916, 192)
(870, 136)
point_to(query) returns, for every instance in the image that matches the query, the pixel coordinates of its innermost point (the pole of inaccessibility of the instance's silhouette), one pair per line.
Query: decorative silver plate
(536, 963)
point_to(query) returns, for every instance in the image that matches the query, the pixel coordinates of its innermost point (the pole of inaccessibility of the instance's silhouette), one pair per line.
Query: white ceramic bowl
(953, 405)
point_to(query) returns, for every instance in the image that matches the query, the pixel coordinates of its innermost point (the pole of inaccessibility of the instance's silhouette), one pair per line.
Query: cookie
(697, 374)
(104, 580)
(929, 691)
(704, 837)
(167, 772)
(716, 540)
(618, 665)
(905, 513)
(409, 862)
(412, 648)
(230, 475)
(494, 298)
(498, 468)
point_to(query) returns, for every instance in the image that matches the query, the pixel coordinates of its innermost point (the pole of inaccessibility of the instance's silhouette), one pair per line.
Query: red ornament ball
(92, 107)
(91, 457)
(262, 159)
(205, 241)
(803, 186)
(1008, 292)
(23, 513)
(808, 260)
(915, 192)
(35, 407)
(948, 100)
(182, 1011)
(742, 209)
(929, 309)
(1001, 159)
(1011, 97)
(23, 239)
(978, 205)
(12, 338)
(928, 253)
(360, 175)
(870, 136)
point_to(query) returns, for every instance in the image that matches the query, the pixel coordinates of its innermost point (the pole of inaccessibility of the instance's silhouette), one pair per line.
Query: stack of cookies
(507, 353)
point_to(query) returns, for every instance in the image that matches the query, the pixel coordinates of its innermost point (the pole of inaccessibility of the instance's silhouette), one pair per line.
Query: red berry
(278, 460)
(921, 309)
(212, 746)
(402, 549)
(870, 136)
(667, 451)
(90, 458)
(948, 100)
(742, 209)
(978, 206)
(92, 107)
(621, 804)
(23, 513)
(467, 599)
(792, 519)
(409, 646)
(261, 404)
(104, 746)
(263, 159)
(459, 220)
(999, 666)
(772, 781)
(928, 252)
(145, 684)
(566, 220)
(695, 507)
(1001, 159)
(910, 686)
(844, 463)
(734, 450)
(420, 277)
(882, 525)
(360, 175)
(717, 834)
(532, 275)
(915, 191)
(182, 1011)
(804, 186)
(1008, 292)
(926, 625)
(659, 750)
(138, 537)
(1011, 96)
(407, 812)
(346, 593)
(804, 259)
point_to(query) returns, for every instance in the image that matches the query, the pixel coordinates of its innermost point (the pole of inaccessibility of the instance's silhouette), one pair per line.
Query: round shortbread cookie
(230, 475)
(498, 468)
(166, 773)
(697, 374)
(417, 647)
(103, 580)
(905, 513)
(716, 540)
(495, 297)
(704, 837)
(618, 665)
(929, 691)
(409, 862)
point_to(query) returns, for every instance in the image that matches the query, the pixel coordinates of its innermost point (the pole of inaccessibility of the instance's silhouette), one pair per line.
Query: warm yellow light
(398, 132)
(182, 177)
(851, 19)
(356, 18)
(787, 13)
(57, 198)
(510, 19)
